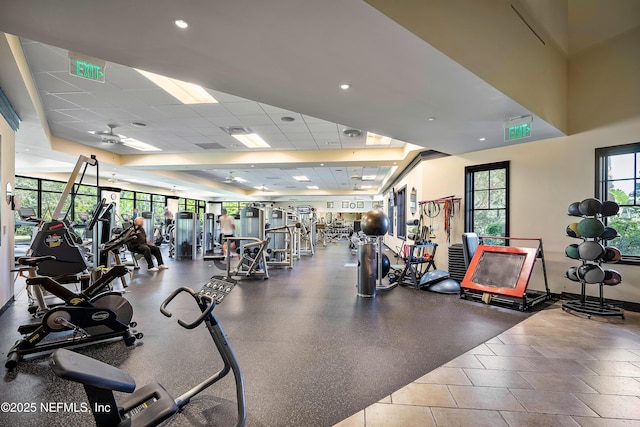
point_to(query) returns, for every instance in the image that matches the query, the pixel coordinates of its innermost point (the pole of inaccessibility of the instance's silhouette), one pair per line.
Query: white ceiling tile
(226, 121)
(324, 137)
(293, 128)
(87, 100)
(296, 138)
(59, 116)
(309, 120)
(115, 115)
(225, 97)
(84, 115)
(246, 108)
(323, 128)
(277, 111)
(149, 114)
(180, 111)
(267, 130)
(257, 120)
(209, 131)
(154, 96)
(127, 78)
(44, 58)
(53, 84)
(210, 110)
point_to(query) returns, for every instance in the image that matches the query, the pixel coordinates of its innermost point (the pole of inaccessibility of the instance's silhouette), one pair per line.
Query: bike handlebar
(205, 312)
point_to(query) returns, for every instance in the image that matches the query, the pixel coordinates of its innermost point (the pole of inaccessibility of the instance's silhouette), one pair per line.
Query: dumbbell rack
(584, 304)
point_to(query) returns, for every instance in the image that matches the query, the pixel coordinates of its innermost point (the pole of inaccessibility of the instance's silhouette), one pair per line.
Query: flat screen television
(304, 209)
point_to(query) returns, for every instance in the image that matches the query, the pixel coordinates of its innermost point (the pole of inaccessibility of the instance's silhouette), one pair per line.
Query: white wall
(7, 172)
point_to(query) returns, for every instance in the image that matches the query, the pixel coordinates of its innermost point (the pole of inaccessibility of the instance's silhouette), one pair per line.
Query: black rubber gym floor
(312, 352)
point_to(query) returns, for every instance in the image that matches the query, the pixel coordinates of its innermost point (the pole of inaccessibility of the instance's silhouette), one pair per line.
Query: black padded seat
(85, 370)
(470, 242)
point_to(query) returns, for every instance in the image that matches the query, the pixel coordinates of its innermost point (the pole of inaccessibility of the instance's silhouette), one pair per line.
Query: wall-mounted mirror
(9, 193)
(413, 201)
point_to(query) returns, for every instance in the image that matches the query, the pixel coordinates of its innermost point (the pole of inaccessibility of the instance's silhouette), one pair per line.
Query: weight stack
(457, 269)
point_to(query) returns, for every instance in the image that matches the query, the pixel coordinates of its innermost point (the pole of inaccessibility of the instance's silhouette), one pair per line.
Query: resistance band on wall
(432, 208)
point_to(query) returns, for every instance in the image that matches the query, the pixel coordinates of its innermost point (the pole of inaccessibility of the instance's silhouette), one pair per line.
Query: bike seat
(33, 261)
(85, 370)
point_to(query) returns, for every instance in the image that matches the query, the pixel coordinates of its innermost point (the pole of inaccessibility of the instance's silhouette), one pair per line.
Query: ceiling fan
(264, 189)
(107, 135)
(355, 175)
(115, 180)
(230, 178)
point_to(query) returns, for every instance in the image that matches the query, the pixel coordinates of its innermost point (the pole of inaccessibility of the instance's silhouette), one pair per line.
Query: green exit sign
(517, 128)
(86, 67)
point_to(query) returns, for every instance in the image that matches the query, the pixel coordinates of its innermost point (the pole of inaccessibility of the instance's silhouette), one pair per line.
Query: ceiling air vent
(352, 133)
(236, 130)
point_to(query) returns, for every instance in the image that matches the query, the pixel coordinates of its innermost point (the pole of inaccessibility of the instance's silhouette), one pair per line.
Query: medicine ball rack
(592, 211)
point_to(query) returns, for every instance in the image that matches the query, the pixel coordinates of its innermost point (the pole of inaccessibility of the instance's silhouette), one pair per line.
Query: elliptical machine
(152, 404)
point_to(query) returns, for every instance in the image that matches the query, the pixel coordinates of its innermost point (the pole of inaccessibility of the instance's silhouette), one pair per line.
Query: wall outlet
(435, 227)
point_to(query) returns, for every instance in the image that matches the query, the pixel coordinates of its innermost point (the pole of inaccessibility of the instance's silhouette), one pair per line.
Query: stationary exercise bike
(150, 405)
(92, 315)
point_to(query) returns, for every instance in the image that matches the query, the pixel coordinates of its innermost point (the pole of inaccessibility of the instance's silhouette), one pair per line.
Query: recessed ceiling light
(138, 124)
(252, 140)
(185, 92)
(321, 164)
(138, 145)
(375, 139)
(301, 178)
(482, 139)
(431, 119)
(344, 86)
(287, 119)
(181, 23)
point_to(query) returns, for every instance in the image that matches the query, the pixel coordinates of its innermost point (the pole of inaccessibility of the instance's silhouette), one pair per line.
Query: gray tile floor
(552, 369)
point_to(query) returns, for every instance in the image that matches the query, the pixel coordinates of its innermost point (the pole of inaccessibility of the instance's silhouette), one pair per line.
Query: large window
(401, 201)
(390, 206)
(618, 179)
(234, 208)
(127, 202)
(27, 193)
(487, 204)
(51, 193)
(158, 203)
(143, 202)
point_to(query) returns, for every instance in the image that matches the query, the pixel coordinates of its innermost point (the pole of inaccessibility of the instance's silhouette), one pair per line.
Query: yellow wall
(546, 176)
(489, 39)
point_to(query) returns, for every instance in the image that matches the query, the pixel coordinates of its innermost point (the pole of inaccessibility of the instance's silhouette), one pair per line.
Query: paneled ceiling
(275, 68)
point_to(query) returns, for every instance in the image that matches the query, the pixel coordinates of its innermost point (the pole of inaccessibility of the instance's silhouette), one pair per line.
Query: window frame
(602, 155)
(401, 213)
(470, 192)
(391, 214)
